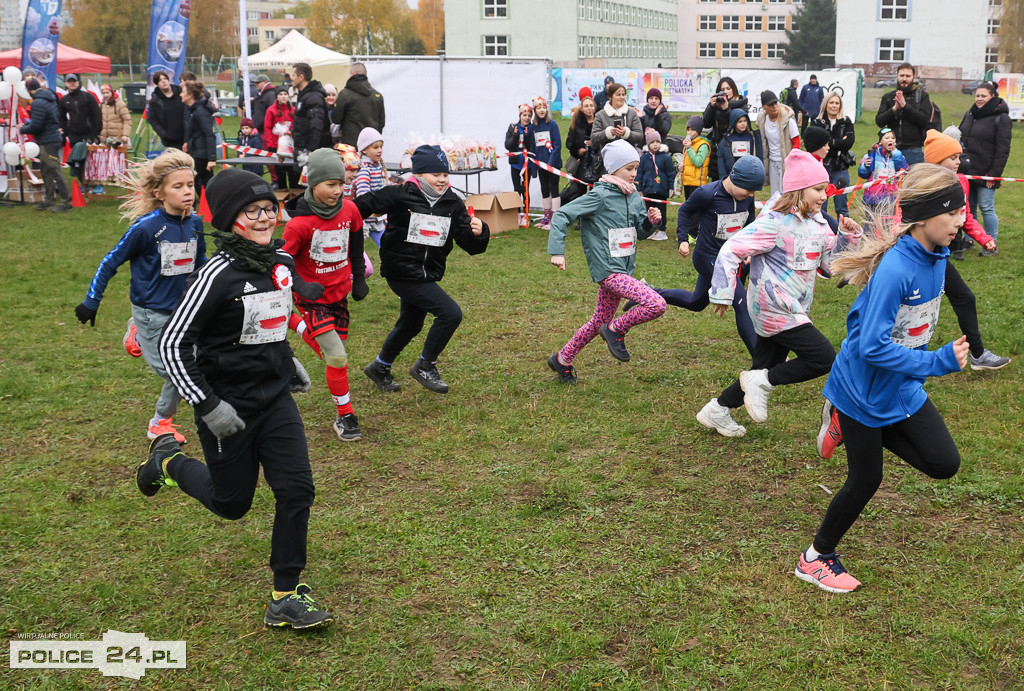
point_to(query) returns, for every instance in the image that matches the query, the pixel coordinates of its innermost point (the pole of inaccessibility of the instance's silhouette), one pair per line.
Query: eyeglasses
(253, 212)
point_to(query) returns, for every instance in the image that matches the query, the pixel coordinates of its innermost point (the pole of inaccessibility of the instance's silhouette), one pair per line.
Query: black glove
(359, 288)
(85, 314)
(300, 382)
(308, 290)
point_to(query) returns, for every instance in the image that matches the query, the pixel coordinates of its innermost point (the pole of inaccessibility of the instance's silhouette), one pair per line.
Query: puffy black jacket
(578, 134)
(311, 127)
(414, 261)
(662, 122)
(80, 116)
(985, 133)
(199, 135)
(359, 105)
(43, 120)
(909, 124)
(839, 156)
(166, 115)
(261, 104)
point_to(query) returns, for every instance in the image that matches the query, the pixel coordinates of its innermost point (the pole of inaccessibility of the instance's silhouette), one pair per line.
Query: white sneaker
(660, 235)
(717, 417)
(755, 393)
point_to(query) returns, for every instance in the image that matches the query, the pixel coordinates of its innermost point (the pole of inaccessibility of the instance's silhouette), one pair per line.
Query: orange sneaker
(130, 343)
(827, 573)
(166, 426)
(829, 434)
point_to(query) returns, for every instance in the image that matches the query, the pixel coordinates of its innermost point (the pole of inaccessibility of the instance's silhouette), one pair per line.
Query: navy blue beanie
(748, 173)
(429, 159)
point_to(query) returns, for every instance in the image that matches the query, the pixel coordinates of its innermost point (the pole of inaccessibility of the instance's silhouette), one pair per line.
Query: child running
(325, 236)
(882, 161)
(163, 245)
(877, 380)
(612, 216)
(785, 246)
(425, 221)
(372, 176)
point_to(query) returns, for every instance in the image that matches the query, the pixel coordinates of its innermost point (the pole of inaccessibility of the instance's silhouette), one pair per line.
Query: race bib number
(177, 258)
(543, 139)
(740, 148)
(329, 246)
(425, 229)
(915, 324)
(266, 317)
(622, 242)
(806, 253)
(728, 224)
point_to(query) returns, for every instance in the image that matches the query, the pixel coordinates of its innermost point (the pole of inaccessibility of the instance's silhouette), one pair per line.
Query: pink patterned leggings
(610, 292)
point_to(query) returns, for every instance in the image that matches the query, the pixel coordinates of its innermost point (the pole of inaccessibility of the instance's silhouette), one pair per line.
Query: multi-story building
(257, 10)
(947, 40)
(735, 33)
(273, 30)
(12, 21)
(573, 33)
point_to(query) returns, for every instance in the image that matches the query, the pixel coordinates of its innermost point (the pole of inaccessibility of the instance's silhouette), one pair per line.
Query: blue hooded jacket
(878, 376)
(726, 158)
(44, 122)
(661, 183)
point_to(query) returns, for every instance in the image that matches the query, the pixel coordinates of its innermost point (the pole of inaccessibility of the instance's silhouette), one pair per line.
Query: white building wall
(707, 39)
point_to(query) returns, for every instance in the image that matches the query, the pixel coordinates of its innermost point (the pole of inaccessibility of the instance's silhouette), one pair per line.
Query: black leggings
(202, 176)
(814, 356)
(517, 182)
(965, 308)
(548, 183)
(276, 439)
(417, 300)
(922, 440)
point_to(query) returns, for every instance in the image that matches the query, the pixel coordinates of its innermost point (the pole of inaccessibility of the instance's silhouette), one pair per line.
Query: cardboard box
(499, 211)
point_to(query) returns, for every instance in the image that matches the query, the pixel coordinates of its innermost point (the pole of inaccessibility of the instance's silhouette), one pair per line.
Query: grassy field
(516, 533)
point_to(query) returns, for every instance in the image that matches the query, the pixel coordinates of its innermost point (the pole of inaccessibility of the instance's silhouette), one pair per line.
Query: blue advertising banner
(168, 36)
(39, 42)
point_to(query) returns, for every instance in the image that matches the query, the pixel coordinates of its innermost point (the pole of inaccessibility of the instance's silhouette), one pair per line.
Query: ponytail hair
(144, 180)
(921, 180)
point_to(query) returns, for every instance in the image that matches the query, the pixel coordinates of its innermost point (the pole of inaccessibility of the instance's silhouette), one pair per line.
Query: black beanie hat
(429, 159)
(815, 138)
(230, 191)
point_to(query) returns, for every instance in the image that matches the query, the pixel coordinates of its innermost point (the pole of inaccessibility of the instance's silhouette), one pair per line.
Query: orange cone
(204, 208)
(66, 152)
(77, 200)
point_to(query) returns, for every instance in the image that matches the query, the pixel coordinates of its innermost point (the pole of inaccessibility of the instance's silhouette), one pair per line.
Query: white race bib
(266, 317)
(542, 139)
(807, 252)
(740, 148)
(915, 324)
(329, 246)
(622, 242)
(177, 258)
(425, 229)
(728, 224)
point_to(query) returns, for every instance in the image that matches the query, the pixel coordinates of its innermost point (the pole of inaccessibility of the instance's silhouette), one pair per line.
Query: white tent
(295, 47)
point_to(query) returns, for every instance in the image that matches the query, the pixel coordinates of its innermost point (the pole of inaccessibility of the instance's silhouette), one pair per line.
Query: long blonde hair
(823, 113)
(921, 180)
(144, 180)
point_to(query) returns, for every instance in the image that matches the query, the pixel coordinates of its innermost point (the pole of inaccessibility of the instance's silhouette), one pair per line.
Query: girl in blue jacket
(546, 148)
(164, 245)
(740, 140)
(876, 387)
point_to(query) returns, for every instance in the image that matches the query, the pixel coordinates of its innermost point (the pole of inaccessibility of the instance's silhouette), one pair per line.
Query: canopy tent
(68, 60)
(328, 66)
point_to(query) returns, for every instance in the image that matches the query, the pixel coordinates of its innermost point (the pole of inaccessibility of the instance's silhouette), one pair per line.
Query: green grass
(514, 534)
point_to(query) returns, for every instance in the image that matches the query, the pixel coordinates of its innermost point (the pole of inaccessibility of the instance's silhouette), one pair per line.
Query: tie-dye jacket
(785, 252)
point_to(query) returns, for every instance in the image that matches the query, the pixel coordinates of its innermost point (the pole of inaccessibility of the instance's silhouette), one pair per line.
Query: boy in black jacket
(424, 218)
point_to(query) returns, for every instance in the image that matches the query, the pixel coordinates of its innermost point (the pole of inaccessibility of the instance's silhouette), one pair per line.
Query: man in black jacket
(789, 97)
(266, 93)
(80, 120)
(907, 111)
(311, 127)
(166, 112)
(359, 105)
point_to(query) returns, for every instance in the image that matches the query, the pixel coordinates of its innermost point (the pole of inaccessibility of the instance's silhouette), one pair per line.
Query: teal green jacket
(605, 214)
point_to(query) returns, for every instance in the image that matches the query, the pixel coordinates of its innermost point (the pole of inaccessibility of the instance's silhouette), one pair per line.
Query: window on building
(590, 46)
(775, 50)
(752, 23)
(730, 22)
(777, 2)
(581, 51)
(993, 27)
(995, 3)
(752, 50)
(495, 9)
(892, 50)
(607, 12)
(991, 55)
(707, 22)
(894, 9)
(269, 35)
(253, 31)
(252, 15)
(495, 45)
(730, 50)
(622, 14)
(583, 10)
(776, 22)
(793, 24)
(705, 50)
(590, 9)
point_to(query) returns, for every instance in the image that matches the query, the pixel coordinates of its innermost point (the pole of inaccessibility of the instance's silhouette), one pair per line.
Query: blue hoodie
(878, 376)
(733, 143)
(661, 182)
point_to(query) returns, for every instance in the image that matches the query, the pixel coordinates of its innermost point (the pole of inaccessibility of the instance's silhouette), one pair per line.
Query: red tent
(68, 60)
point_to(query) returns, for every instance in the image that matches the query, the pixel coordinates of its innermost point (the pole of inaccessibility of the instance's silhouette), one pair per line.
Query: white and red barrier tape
(250, 151)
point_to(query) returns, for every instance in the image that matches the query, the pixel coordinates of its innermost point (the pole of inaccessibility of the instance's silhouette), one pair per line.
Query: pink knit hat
(802, 171)
(652, 135)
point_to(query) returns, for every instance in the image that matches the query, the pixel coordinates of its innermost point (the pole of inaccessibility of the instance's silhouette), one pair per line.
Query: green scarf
(246, 253)
(324, 211)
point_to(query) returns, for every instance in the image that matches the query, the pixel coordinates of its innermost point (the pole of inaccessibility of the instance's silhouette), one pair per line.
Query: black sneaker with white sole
(427, 375)
(347, 427)
(297, 610)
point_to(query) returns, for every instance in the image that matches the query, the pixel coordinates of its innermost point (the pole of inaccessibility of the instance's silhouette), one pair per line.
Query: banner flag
(39, 41)
(168, 38)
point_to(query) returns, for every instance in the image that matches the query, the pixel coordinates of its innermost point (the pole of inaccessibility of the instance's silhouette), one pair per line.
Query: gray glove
(300, 382)
(223, 421)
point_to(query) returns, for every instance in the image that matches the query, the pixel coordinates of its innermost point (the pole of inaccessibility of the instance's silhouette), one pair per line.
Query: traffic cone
(77, 200)
(65, 153)
(204, 208)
